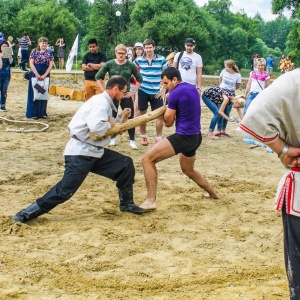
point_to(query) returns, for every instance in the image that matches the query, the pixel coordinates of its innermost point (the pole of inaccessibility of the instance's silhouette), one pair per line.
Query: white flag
(73, 53)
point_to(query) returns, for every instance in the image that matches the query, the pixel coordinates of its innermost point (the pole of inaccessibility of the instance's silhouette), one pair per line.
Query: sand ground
(190, 248)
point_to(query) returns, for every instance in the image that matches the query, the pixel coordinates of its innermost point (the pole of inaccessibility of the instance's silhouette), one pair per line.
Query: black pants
(126, 103)
(113, 165)
(291, 229)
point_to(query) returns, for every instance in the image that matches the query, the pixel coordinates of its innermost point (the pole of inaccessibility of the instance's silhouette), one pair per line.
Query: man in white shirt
(84, 154)
(189, 63)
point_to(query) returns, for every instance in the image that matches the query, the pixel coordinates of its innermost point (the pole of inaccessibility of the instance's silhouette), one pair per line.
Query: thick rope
(46, 126)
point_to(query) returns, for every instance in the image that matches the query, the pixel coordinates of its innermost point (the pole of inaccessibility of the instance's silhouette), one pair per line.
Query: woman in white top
(230, 79)
(258, 81)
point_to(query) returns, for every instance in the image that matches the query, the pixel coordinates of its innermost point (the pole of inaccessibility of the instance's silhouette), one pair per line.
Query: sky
(264, 7)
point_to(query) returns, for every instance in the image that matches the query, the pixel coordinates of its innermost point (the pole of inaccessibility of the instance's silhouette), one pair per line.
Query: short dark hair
(116, 80)
(92, 41)
(170, 73)
(148, 42)
(4, 42)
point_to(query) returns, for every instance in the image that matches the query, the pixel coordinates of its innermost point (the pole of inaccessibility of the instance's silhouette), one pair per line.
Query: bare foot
(213, 196)
(149, 205)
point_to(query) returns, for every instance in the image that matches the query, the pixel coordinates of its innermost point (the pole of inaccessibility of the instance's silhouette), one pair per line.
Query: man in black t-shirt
(91, 63)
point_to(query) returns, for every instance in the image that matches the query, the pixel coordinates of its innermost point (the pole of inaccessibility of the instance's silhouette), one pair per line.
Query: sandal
(212, 137)
(218, 134)
(226, 134)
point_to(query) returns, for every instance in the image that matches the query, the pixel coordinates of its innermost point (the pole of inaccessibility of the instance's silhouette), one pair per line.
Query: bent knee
(187, 171)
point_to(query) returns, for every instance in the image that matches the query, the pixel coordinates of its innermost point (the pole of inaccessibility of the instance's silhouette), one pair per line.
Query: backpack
(179, 58)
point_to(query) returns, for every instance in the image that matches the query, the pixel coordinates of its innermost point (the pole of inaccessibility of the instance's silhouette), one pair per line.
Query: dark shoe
(132, 208)
(126, 202)
(29, 213)
(25, 70)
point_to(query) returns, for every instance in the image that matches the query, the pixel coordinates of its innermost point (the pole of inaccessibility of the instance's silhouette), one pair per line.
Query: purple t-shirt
(185, 100)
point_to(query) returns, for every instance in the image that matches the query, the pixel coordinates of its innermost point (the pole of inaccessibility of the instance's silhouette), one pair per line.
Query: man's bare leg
(143, 126)
(187, 167)
(159, 126)
(157, 153)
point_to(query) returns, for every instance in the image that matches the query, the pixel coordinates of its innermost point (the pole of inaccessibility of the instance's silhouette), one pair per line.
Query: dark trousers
(126, 103)
(291, 230)
(113, 165)
(25, 58)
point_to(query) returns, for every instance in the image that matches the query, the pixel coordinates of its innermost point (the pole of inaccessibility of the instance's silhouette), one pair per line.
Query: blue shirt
(151, 73)
(185, 100)
(269, 62)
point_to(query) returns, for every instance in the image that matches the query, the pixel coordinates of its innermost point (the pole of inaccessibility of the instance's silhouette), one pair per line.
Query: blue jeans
(249, 99)
(4, 82)
(25, 58)
(214, 109)
(222, 123)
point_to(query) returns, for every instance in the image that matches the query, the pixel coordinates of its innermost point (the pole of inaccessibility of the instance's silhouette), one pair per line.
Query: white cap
(138, 45)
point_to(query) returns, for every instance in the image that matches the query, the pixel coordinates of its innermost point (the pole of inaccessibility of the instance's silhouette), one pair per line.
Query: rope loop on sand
(23, 130)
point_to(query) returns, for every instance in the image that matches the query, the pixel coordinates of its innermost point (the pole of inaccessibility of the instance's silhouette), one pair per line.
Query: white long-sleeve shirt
(92, 116)
(275, 113)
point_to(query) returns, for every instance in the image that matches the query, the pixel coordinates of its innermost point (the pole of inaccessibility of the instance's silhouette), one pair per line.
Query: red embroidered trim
(256, 136)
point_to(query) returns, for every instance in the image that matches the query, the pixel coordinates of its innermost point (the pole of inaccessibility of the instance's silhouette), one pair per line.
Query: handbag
(40, 88)
(27, 75)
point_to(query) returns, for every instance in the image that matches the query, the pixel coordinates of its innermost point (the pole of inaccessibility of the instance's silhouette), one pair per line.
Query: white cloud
(251, 8)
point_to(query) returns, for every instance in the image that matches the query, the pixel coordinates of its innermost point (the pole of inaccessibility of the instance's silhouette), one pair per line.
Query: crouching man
(83, 155)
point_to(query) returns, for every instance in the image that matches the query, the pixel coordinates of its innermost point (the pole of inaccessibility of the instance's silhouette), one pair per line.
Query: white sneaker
(133, 145)
(113, 142)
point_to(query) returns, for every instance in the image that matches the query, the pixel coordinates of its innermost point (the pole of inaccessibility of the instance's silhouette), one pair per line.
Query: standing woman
(5, 74)
(257, 82)
(61, 52)
(230, 79)
(138, 51)
(41, 63)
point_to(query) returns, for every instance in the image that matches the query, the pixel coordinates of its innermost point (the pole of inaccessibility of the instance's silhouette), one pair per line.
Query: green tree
(169, 23)
(35, 20)
(81, 10)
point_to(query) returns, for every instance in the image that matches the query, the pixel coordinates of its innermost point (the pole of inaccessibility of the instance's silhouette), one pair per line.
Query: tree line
(220, 34)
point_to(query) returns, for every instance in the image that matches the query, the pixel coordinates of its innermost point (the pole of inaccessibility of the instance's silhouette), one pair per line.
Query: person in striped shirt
(24, 42)
(151, 66)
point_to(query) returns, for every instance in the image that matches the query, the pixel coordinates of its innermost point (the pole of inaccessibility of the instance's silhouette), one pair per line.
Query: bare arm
(175, 64)
(133, 92)
(248, 87)
(199, 77)
(222, 108)
(169, 117)
(95, 66)
(291, 157)
(267, 83)
(240, 113)
(101, 84)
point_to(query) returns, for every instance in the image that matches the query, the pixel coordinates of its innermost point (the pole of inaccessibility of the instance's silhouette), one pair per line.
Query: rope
(46, 126)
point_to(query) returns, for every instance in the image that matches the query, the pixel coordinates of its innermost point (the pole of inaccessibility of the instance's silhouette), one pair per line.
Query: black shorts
(144, 98)
(185, 144)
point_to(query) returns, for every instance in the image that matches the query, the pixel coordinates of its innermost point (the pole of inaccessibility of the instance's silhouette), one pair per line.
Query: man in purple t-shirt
(183, 109)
